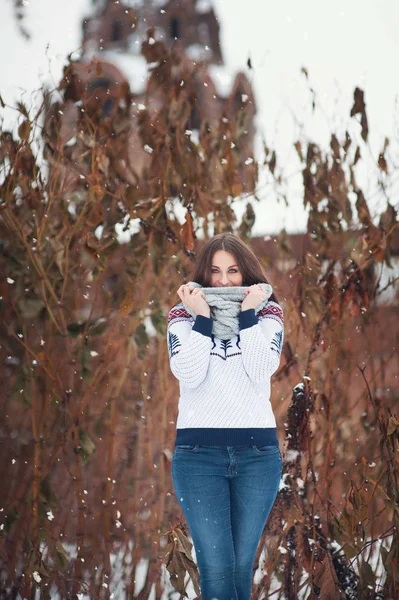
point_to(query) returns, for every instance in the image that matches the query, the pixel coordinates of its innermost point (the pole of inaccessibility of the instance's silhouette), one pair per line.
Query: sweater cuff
(247, 318)
(203, 325)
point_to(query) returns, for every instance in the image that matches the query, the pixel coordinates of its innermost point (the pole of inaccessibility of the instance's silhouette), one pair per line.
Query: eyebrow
(215, 267)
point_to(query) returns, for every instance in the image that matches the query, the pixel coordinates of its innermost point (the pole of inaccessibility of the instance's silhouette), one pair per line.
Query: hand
(255, 294)
(195, 299)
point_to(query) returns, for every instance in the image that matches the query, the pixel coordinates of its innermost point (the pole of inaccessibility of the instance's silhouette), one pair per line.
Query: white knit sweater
(225, 384)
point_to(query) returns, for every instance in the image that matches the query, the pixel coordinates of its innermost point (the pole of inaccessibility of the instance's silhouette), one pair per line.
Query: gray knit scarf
(225, 305)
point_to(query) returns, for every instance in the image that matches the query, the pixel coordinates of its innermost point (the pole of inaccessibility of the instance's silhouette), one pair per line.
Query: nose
(224, 279)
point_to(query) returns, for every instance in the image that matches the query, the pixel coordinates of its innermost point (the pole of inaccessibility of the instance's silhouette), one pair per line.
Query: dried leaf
(393, 425)
(348, 141)
(179, 561)
(128, 303)
(326, 579)
(187, 235)
(272, 162)
(23, 110)
(368, 576)
(24, 130)
(247, 222)
(359, 107)
(153, 51)
(97, 192)
(30, 308)
(362, 209)
(382, 163)
(96, 214)
(357, 155)
(203, 203)
(388, 219)
(236, 189)
(91, 241)
(86, 443)
(61, 555)
(335, 146)
(360, 253)
(298, 148)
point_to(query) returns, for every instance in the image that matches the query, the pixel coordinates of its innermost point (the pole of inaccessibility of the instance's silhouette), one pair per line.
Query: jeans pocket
(186, 447)
(266, 450)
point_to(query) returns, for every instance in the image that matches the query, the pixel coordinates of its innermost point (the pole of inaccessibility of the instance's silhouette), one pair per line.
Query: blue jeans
(226, 494)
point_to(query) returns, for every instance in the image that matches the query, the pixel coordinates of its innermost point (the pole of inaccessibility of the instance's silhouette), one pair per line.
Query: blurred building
(113, 69)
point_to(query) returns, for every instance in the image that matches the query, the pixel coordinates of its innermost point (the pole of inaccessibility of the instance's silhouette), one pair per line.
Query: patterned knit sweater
(225, 384)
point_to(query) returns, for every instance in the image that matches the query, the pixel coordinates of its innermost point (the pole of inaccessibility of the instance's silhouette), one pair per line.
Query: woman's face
(225, 271)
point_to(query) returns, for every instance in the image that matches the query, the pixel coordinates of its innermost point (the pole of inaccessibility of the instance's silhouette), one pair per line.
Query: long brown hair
(250, 267)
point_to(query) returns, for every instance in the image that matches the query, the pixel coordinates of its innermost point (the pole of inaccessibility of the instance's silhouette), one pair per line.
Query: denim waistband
(214, 436)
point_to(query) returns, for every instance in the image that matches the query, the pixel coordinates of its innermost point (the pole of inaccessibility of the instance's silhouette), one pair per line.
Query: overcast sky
(342, 44)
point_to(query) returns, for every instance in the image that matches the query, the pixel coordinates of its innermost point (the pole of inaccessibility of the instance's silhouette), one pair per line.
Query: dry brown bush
(89, 403)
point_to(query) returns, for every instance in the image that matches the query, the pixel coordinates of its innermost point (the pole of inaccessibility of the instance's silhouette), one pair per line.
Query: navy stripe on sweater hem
(227, 436)
(203, 325)
(247, 318)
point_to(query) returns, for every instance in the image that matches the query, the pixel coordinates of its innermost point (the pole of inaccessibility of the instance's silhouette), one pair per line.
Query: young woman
(226, 465)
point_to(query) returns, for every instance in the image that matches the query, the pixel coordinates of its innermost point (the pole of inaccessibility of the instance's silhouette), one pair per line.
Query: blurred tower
(112, 69)
(114, 34)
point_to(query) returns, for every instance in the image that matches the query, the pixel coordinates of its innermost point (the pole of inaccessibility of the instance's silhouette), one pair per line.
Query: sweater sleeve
(189, 345)
(261, 338)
